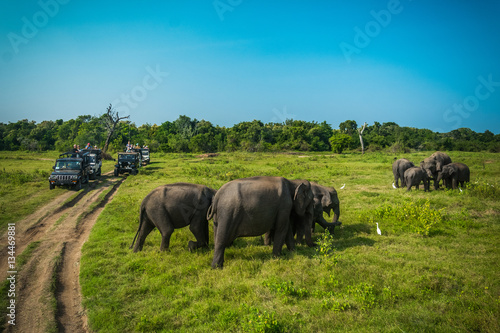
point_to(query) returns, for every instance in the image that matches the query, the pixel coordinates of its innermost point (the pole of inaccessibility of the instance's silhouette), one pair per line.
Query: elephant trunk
(439, 177)
(336, 214)
(335, 222)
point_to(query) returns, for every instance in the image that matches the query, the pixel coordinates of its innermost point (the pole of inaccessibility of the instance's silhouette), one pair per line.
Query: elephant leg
(165, 238)
(396, 181)
(300, 235)
(198, 230)
(146, 228)
(454, 183)
(290, 244)
(268, 237)
(218, 260)
(282, 231)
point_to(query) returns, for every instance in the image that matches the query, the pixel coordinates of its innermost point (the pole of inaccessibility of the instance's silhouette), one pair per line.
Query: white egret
(378, 230)
(393, 186)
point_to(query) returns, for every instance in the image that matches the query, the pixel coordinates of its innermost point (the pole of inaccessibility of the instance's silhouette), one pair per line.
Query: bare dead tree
(111, 120)
(360, 132)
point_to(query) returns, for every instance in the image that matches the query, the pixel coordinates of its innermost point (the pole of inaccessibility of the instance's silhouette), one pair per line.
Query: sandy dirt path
(48, 295)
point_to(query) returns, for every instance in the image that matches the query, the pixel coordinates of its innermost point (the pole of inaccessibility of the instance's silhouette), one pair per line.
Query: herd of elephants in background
(283, 210)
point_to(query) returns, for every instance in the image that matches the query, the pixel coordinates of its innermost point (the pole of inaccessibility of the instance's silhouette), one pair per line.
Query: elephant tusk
(342, 187)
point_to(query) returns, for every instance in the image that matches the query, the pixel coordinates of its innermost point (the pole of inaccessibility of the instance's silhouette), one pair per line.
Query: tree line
(200, 136)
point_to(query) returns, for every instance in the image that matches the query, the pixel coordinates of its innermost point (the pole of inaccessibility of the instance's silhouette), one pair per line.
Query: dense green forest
(201, 136)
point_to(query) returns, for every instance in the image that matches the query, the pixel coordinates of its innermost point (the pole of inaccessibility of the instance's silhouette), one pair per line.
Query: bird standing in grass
(378, 230)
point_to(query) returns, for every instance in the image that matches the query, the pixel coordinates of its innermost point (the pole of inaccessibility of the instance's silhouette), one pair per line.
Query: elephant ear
(326, 201)
(299, 199)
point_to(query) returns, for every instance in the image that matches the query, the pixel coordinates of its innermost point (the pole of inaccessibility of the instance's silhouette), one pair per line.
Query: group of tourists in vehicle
(78, 166)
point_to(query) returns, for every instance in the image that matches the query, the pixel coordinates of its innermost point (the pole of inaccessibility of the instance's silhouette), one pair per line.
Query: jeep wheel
(116, 173)
(99, 172)
(78, 186)
(51, 186)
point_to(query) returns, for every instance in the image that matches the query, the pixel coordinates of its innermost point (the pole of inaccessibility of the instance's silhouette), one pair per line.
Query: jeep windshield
(145, 152)
(67, 165)
(127, 157)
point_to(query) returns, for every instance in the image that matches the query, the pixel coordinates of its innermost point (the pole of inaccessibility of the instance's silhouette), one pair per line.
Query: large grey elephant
(454, 173)
(434, 164)
(414, 176)
(175, 206)
(254, 206)
(398, 169)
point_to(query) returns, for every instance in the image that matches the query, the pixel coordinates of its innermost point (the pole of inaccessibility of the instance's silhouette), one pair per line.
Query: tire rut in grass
(70, 313)
(48, 297)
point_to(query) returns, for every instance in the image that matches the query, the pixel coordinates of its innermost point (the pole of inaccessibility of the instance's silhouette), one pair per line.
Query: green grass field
(435, 268)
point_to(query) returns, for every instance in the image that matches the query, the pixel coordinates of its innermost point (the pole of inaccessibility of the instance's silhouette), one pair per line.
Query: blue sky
(418, 63)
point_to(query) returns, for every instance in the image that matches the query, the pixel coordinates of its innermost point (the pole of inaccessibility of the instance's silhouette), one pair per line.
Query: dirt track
(47, 287)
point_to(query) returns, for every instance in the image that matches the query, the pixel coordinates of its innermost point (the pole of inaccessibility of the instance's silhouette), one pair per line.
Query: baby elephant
(415, 175)
(453, 174)
(175, 206)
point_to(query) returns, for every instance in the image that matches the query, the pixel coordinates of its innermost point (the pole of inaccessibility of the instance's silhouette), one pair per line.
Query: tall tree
(111, 120)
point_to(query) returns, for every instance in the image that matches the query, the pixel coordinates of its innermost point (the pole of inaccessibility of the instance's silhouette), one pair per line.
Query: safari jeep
(95, 162)
(127, 163)
(71, 169)
(145, 156)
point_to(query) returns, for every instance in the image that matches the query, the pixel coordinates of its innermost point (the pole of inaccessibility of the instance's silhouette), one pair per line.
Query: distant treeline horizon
(186, 135)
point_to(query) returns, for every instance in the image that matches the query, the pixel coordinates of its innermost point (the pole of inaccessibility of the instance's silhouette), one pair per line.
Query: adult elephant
(175, 206)
(434, 164)
(398, 170)
(254, 206)
(414, 176)
(454, 173)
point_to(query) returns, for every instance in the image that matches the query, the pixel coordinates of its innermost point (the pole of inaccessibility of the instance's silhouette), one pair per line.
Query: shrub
(261, 321)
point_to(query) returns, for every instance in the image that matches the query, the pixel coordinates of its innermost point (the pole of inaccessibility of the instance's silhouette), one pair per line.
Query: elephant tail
(141, 218)
(210, 212)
